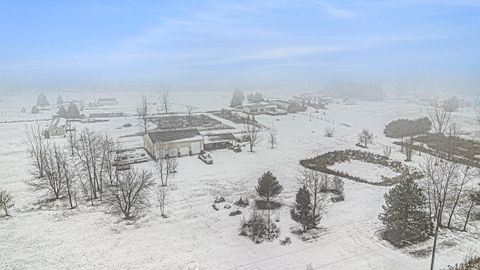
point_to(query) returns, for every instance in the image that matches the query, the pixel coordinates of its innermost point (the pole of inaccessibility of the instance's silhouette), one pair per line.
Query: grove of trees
(237, 98)
(402, 128)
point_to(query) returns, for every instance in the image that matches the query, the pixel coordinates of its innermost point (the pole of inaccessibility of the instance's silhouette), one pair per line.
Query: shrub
(329, 131)
(259, 229)
(241, 202)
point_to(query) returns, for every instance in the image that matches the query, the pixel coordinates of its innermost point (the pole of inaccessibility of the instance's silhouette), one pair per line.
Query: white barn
(179, 142)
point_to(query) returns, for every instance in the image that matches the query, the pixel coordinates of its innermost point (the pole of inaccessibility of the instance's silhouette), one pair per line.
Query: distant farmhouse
(107, 101)
(58, 127)
(179, 142)
(262, 107)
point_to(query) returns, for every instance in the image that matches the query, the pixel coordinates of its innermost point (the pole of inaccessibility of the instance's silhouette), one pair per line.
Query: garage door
(196, 147)
(184, 151)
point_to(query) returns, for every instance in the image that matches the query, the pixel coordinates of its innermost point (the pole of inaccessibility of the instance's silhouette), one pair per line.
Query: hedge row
(322, 162)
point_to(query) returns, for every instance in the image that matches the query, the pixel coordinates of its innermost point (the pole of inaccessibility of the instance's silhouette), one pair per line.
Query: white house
(257, 108)
(178, 142)
(58, 127)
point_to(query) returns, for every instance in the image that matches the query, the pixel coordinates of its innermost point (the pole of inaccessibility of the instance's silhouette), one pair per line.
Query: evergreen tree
(62, 111)
(268, 187)
(301, 212)
(237, 98)
(34, 110)
(72, 111)
(404, 217)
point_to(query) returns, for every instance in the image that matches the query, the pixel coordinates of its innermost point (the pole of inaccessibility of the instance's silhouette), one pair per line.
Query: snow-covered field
(194, 236)
(371, 172)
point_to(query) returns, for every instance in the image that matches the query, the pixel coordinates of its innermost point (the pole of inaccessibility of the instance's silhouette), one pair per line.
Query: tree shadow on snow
(310, 235)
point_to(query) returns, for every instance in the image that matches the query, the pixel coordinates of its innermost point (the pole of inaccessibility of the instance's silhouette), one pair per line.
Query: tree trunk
(435, 242)
(468, 216)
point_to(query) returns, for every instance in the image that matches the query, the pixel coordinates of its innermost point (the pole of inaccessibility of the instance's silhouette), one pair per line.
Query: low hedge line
(322, 162)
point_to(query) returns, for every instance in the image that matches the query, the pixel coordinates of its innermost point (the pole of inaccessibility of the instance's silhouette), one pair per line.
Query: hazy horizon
(223, 45)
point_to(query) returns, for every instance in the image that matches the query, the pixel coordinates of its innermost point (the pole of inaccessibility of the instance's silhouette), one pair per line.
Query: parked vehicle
(205, 157)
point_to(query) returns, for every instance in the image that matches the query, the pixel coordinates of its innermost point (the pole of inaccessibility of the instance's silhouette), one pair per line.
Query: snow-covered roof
(215, 138)
(58, 122)
(107, 99)
(175, 135)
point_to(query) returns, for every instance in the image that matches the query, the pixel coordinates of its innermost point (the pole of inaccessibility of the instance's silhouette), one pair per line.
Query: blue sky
(272, 42)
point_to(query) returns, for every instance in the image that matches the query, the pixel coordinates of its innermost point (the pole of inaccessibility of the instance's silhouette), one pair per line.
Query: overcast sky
(272, 42)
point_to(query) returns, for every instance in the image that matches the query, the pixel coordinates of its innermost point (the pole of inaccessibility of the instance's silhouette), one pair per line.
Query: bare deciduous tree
(466, 175)
(452, 137)
(473, 200)
(53, 182)
(72, 138)
(143, 112)
(129, 197)
(165, 100)
(365, 138)
(66, 171)
(253, 133)
(440, 118)
(6, 201)
(161, 193)
(95, 153)
(387, 151)
(190, 110)
(272, 136)
(440, 176)
(315, 182)
(36, 146)
(165, 164)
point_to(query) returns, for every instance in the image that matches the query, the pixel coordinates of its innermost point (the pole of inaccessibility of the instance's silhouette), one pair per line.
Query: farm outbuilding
(219, 141)
(178, 142)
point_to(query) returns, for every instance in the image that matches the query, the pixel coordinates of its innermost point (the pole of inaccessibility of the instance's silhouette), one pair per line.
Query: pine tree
(72, 111)
(34, 110)
(268, 187)
(62, 111)
(404, 217)
(301, 212)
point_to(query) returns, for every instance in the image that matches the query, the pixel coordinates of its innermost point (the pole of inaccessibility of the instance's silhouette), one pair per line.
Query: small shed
(219, 141)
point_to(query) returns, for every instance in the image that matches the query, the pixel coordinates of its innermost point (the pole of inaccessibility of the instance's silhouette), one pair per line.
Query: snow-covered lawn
(368, 171)
(195, 236)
